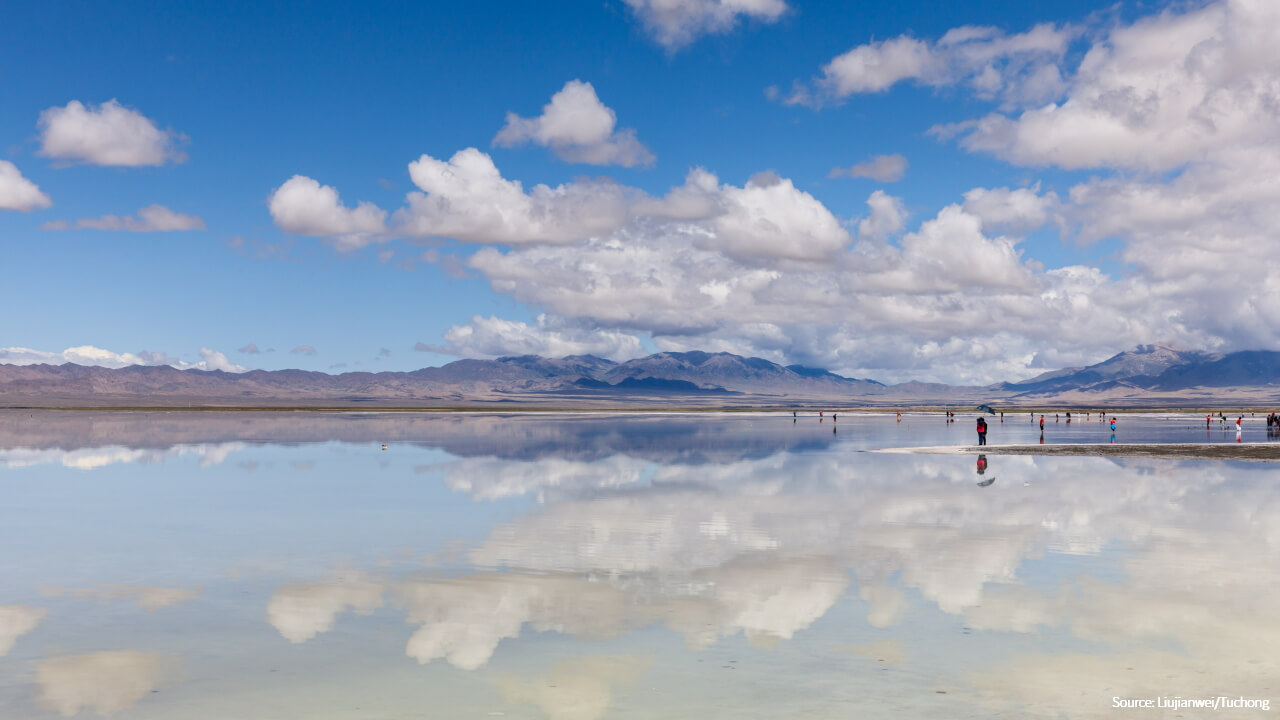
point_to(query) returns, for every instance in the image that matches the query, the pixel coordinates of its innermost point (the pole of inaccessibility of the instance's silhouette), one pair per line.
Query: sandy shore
(1255, 452)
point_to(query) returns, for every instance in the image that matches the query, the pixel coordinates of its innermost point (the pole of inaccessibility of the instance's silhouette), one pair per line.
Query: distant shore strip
(1252, 452)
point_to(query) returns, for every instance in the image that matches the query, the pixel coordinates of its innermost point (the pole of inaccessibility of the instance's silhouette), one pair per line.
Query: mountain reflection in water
(599, 566)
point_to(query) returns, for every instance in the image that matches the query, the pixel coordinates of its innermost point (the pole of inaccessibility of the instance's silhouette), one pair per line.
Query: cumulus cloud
(676, 23)
(467, 199)
(1021, 210)
(578, 128)
(106, 134)
(302, 206)
(1018, 69)
(19, 193)
(16, 621)
(884, 168)
(875, 309)
(490, 337)
(90, 355)
(888, 216)
(1168, 90)
(153, 218)
(769, 217)
(1189, 94)
(214, 360)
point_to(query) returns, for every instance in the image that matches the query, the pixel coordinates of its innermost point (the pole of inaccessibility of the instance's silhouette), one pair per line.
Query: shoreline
(962, 411)
(1250, 452)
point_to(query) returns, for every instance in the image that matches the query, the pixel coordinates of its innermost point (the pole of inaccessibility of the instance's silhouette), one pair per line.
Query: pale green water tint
(578, 567)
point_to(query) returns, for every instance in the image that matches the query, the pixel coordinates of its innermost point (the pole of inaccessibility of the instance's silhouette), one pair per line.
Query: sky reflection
(567, 584)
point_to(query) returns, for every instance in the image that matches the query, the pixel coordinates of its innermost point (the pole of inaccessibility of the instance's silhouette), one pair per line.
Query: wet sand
(1254, 452)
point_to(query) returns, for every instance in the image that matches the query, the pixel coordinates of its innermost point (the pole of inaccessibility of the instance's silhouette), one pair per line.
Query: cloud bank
(90, 355)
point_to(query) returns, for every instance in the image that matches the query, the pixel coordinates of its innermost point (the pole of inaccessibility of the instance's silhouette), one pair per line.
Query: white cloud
(19, 193)
(1190, 94)
(90, 355)
(1169, 89)
(153, 218)
(16, 621)
(107, 134)
(888, 217)
(303, 350)
(1018, 69)
(770, 218)
(676, 23)
(467, 199)
(104, 682)
(947, 292)
(547, 336)
(1020, 211)
(302, 206)
(211, 360)
(578, 128)
(883, 168)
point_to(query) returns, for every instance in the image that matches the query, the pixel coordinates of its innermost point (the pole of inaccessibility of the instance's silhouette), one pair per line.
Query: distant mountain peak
(1146, 371)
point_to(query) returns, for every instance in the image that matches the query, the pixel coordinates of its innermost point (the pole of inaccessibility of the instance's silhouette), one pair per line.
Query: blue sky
(239, 98)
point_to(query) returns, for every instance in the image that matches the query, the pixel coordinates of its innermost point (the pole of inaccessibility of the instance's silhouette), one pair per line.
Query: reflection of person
(982, 431)
(982, 470)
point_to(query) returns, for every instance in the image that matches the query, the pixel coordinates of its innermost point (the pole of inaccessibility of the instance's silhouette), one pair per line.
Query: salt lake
(583, 566)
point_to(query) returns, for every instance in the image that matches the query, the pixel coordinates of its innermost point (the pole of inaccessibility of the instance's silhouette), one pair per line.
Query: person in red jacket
(982, 431)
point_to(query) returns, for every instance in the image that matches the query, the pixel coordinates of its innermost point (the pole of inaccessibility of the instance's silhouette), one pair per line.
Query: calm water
(261, 565)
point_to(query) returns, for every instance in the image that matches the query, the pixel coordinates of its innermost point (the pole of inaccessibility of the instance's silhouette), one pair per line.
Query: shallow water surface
(573, 567)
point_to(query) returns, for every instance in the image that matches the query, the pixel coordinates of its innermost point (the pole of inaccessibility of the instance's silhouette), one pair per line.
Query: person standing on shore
(982, 431)
(1113, 427)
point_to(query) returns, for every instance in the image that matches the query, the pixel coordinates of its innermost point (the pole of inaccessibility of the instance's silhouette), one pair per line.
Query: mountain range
(1149, 375)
